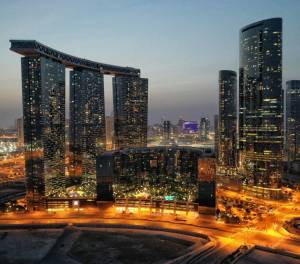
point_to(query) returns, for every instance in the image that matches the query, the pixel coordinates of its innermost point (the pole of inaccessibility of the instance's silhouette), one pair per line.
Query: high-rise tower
(43, 85)
(293, 124)
(20, 131)
(216, 138)
(87, 122)
(227, 119)
(130, 98)
(43, 89)
(261, 102)
(166, 130)
(204, 128)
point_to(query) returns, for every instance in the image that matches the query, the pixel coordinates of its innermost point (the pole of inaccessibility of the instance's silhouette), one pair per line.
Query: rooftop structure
(33, 47)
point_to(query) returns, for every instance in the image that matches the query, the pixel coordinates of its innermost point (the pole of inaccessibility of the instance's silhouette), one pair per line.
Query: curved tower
(261, 103)
(293, 125)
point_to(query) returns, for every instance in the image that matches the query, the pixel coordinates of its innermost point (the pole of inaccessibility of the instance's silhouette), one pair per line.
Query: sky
(179, 45)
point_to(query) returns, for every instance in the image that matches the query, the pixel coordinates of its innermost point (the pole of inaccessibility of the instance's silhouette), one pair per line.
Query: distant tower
(130, 99)
(293, 124)
(180, 125)
(261, 102)
(166, 130)
(227, 118)
(204, 128)
(20, 131)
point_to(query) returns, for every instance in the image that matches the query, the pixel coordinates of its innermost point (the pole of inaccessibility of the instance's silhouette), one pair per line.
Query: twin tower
(43, 92)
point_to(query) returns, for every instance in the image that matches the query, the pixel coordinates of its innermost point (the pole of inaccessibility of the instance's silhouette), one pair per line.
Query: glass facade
(227, 119)
(157, 172)
(166, 130)
(293, 124)
(261, 103)
(216, 137)
(43, 90)
(204, 128)
(87, 125)
(130, 99)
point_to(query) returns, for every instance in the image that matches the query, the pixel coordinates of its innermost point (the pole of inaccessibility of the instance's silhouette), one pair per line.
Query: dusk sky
(179, 45)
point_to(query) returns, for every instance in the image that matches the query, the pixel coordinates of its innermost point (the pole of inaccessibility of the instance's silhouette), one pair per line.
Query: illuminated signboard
(169, 198)
(190, 127)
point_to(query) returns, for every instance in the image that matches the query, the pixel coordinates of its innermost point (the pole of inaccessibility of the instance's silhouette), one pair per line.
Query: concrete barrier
(277, 251)
(140, 227)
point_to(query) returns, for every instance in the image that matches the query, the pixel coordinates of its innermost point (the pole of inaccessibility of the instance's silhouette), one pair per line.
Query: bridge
(33, 47)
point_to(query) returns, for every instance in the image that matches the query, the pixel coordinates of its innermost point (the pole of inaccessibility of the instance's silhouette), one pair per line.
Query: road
(228, 237)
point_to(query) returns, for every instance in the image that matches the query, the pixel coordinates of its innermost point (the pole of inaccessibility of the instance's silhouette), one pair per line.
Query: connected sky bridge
(33, 47)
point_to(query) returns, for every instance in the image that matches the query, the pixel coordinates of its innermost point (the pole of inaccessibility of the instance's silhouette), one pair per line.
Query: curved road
(228, 238)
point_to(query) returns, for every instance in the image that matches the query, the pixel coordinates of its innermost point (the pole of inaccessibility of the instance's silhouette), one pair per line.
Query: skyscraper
(261, 102)
(43, 85)
(166, 130)
(87, 121)
(293, 124)
(130, 99)
(43, 88)
(216, 127)
(204, 128)
(180, 125)
(227, 119)
(20, 131)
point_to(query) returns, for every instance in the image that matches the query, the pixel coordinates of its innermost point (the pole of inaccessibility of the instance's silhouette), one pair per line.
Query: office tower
(227, 118)
(87, 122)
(293, 125)
(180, 125)
(166, 130)
(216, 138)
(20, 131)
(130, 99)
(43, 88)
(261, 103)
(109, 125)
(204, 128)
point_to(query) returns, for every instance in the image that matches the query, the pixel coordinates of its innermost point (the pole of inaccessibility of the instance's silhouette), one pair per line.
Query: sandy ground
(73, 245)
(123, 248)
(26, 246)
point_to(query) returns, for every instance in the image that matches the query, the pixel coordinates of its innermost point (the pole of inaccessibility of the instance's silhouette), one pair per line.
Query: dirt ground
(123, 248)
(26, 246)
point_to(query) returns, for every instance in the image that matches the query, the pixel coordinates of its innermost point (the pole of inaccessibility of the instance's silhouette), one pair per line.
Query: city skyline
(169, 134)
(191, 86)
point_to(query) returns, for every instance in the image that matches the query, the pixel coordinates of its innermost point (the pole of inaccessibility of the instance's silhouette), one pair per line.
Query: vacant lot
(117, 248)
(26, 246)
